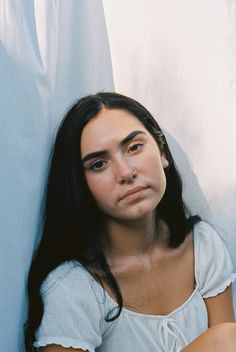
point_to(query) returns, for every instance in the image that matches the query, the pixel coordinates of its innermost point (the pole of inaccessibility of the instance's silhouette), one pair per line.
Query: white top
(75, 306)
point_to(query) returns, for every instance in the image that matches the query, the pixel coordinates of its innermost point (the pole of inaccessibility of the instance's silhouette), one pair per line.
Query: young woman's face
(123, 165)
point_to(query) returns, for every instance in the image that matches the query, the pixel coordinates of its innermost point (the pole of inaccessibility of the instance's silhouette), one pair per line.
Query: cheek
(152, 164)
(152, 169)
(99, 187)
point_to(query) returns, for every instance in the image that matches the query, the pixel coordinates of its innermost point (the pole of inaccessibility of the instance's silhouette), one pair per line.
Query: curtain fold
(51, 53)
(180, 61)
(177, 57)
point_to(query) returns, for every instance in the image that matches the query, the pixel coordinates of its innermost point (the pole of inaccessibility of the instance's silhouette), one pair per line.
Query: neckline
(155, 316)
(144, 315)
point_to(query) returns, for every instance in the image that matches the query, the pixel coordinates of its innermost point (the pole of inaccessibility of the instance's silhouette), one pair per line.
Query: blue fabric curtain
(51, 53)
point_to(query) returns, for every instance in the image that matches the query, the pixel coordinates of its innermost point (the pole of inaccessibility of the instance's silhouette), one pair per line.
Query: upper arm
(214, 274)
(220, 307)
(73, 314)
(57, 348)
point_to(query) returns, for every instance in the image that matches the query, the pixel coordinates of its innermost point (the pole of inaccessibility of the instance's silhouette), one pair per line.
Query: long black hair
(72, 223)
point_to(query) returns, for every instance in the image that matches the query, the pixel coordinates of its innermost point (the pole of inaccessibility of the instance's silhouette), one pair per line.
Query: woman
(122, 266)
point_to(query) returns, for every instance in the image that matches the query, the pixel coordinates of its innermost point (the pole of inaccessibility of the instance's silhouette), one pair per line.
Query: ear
(164, 161)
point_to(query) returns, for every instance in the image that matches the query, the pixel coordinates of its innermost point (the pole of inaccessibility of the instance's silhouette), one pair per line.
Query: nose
(124, 171)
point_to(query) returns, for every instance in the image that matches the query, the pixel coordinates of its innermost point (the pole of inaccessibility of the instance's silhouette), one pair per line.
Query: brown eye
(98, 165)
(135, 147)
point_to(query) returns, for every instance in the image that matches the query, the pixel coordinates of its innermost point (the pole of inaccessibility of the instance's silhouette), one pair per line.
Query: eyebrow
(105, 152)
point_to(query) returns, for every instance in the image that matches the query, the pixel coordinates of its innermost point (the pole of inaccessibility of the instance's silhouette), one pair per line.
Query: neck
(130, 238)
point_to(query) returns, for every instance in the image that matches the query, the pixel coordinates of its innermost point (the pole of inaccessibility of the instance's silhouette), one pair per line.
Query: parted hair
(72, 225)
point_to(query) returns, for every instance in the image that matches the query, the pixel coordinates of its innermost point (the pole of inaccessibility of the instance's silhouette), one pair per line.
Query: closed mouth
(133, 191)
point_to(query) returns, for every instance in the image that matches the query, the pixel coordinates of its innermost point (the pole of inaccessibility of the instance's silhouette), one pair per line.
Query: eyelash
(93, 166)
(135, 144)
(138, 146)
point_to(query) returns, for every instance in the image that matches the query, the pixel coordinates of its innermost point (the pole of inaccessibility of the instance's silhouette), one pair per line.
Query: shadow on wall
(192, 192)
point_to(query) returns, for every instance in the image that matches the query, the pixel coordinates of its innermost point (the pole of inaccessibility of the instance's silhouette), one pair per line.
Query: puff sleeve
(72, 316)
(213, 266)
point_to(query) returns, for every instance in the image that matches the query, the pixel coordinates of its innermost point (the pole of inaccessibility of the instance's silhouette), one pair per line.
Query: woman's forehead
(110, 125)
(107, 118)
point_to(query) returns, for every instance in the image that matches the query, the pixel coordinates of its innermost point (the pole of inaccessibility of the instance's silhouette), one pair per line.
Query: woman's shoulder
(73, 313)
(208, 243)
(205, 235)
(213, 266)
(203, 225)
(70, 273)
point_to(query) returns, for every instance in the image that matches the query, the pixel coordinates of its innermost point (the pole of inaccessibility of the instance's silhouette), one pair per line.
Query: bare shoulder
(181, 261)
(185, 250)
(188, 244)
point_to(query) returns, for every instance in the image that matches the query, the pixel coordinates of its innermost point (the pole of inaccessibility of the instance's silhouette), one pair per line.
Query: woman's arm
(220, 308)
(57, 348)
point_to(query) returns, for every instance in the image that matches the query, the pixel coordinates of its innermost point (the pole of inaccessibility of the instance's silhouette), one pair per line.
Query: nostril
(134, 173)
(128, 176)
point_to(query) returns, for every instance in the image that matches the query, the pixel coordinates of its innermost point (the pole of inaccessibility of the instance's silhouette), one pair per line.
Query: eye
(135, 147)
(98, 165)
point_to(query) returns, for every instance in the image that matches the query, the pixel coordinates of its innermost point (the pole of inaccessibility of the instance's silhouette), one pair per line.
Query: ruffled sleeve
(213, 266)
(72, 316)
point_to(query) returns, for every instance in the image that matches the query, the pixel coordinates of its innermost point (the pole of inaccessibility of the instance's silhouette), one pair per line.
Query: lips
(133, 191)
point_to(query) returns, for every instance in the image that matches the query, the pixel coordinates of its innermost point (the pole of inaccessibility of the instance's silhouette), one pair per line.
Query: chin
(139, 213)
(136, 211)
